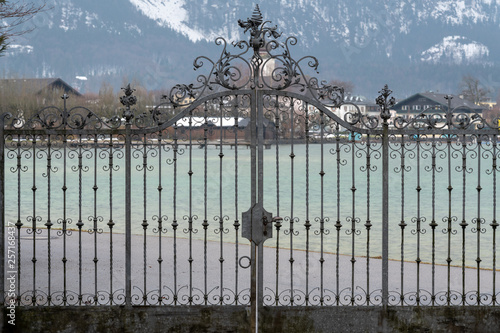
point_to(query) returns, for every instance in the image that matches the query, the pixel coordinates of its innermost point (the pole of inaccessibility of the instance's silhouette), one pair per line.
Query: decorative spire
(252, 23)
(257, 16)
(384, 103)
(258, 32)
(128, 100)
(257, 28)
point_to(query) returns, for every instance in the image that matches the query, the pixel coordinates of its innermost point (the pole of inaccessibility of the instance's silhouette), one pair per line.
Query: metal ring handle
(249, 262)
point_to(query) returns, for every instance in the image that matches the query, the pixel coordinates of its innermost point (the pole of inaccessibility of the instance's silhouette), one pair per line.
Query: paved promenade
(209, 273)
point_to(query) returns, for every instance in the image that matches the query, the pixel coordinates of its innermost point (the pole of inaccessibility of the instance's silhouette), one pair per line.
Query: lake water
(309, 197)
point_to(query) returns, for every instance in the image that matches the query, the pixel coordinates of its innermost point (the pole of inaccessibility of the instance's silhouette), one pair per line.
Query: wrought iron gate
(173, 205)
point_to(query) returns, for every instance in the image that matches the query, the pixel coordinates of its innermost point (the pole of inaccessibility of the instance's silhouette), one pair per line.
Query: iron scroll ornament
(75, 118)
(270, 66)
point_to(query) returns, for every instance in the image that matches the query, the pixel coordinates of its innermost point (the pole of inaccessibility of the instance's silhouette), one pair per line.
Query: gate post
(128, 100)
(256, 222)
(385, 115)
(253, 267)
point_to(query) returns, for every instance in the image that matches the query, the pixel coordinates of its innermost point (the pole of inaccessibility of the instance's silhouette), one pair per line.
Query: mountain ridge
(412, 45)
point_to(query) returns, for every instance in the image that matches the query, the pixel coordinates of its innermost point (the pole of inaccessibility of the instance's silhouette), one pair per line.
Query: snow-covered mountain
(457, 50)
(413, 45)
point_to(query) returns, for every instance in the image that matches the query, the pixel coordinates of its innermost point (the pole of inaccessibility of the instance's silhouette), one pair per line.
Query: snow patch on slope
(91, 20)
(15, 49)
(456, 12)
(73, 16)
(172, 14)
(70, 15)
(133, 28)
(456, 50)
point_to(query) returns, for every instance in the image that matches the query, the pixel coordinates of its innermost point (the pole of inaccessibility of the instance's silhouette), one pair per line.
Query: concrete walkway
(209, 278)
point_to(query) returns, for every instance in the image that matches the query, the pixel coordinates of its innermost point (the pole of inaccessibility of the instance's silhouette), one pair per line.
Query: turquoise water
(312, 196)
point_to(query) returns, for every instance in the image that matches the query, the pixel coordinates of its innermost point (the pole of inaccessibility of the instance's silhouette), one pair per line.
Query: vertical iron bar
(253, 148)
(260, 277)
(95, 229)
(479, 220)
(236, 223)
(419, 220)
(48, 224)
(144, 219)
(110, 222)
(402, 224)
(174, 222)
(190, 203)
(160, 218)
(65, 220)
(205, 203)
(253, 200)
(368, 223)
(260, 147)
(253, 289)
(307, 223)
(19, 224)
(33, 220)
(278, 225)
(353, 211)
(221, 217)
(450, 189)
(385, 213)
(292, 188)
(494, 223)
(79, 224)
(338, 224)
(464, 223)
(260, 197)
(433, 223)
(128, 214)
(322, 208)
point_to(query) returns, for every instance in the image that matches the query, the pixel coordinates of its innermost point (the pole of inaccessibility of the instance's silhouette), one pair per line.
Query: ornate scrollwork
(270, 66)
(442, 118)
(55, 118)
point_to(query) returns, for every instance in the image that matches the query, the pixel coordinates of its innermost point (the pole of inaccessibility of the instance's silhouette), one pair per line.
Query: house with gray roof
(431, 102)
(36, 86)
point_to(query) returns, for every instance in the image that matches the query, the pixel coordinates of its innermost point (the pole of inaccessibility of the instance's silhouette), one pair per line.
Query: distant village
(25, 96)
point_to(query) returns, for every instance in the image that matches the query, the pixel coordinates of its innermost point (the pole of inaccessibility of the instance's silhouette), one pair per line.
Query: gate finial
(252, 23)
(257, 15)
(128, 100)
(385, 103)
(258, 30)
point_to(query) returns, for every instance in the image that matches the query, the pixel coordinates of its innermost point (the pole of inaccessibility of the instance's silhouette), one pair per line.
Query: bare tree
(473, 90)
(347, 85)
(13, 15)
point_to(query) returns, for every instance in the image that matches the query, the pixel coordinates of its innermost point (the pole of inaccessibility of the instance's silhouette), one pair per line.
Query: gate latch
(257, 224)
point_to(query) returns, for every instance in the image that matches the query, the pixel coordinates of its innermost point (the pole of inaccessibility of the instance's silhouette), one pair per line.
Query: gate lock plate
(257, 224)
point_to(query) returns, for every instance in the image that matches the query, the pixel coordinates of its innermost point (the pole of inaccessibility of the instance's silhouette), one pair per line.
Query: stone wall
(236, 319)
